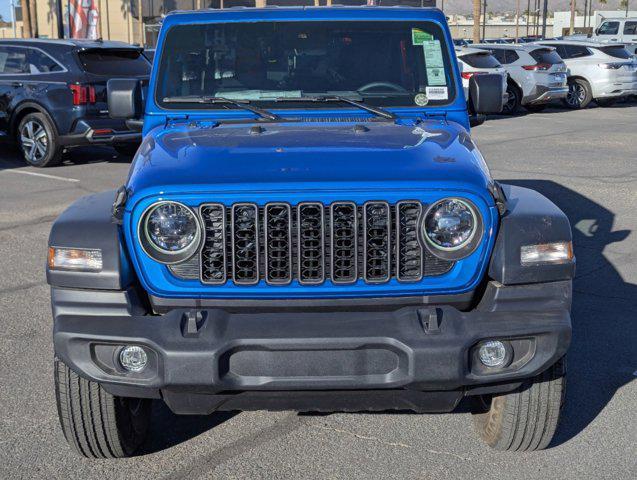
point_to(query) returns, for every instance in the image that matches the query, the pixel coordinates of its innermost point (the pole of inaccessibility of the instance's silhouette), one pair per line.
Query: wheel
(38, 141)
(514, 100)
(95, 423)
(537, 108)
(579, 94)
(605, 102)
(126, 149)
(525, 419)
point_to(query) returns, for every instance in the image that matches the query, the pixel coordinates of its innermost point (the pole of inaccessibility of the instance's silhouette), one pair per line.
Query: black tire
(536, 108)
(525, 419)
(605, 102)
(579, 94)
(515, 99)
(126, 150)
(37, 140)
(95, 423)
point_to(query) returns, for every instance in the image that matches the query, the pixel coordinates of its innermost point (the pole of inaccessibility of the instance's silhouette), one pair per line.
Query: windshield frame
(448, 55)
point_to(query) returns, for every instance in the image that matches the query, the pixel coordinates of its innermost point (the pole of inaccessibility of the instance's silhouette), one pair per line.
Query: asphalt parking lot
(585, 161)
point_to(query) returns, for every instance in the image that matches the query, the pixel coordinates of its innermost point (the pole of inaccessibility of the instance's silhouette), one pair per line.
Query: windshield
(378, 63)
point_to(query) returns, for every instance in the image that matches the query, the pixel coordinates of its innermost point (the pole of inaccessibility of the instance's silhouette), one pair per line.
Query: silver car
(604, 72)
(537, 75)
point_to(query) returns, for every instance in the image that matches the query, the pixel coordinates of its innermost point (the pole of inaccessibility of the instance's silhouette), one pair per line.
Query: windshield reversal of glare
(378, 63)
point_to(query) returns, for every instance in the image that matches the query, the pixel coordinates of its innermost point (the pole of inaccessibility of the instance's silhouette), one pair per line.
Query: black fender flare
(29, 105)
(529, 219)
(89, 223)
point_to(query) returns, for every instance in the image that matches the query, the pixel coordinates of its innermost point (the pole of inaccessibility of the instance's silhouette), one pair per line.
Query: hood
(206, 156)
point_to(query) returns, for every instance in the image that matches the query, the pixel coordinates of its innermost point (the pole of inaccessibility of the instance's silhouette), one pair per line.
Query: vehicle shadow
(603, 349)
(168, 429)
(10, 156)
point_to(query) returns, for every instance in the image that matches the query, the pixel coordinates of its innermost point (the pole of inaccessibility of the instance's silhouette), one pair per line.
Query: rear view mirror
(125, 98)
(486, 93)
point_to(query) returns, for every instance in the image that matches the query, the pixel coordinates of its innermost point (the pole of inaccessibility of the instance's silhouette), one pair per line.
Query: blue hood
(205, 156)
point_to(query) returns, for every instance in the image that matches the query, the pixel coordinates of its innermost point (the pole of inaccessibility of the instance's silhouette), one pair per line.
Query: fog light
(492, 353)
(133, 358)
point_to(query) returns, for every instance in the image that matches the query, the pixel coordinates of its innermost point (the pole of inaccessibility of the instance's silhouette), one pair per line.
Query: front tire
(579, 94)
(38, 141)
(95, 423)
(525, 419)
(514, 101)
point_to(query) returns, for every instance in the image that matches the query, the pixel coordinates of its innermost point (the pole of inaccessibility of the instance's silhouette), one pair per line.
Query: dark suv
(53, 95)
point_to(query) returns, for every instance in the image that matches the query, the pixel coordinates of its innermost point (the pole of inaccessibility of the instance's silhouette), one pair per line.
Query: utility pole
(60, 18)
(571, 30)
(517, 20)
(544, 14)
(484, 21)
(15, 29)
(528, 15)
(476, 20)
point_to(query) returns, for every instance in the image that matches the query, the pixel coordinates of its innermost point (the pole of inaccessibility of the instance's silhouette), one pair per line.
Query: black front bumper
(419, 355)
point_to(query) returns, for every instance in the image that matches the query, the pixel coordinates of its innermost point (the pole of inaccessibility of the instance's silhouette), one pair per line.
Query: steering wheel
(392, 86)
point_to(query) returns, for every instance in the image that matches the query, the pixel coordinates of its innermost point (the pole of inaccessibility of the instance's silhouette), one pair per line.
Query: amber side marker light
(75, 259)
(546, 254)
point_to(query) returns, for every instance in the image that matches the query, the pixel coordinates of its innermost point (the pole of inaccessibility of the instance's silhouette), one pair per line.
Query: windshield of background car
(480, 60)
(102, 61)
(617, 51)
(384, 63)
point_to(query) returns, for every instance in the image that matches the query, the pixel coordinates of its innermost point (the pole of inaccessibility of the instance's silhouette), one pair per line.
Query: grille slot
(278, 243)
(213, 254)
(409, 249)
(311, 243)
(377, 242)
(344, 242)
(245, 243)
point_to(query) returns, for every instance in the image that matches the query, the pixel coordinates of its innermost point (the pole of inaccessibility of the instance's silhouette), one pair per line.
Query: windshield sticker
(434, 62)
(418, 37)
(437, 93)
(421, 100)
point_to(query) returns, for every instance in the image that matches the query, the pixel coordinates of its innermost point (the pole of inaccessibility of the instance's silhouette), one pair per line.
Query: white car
(473, 61)
(604, 72)
(537, 75)
(616, 30)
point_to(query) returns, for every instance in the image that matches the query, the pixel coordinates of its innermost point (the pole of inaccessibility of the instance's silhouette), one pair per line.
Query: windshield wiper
(381, 112)
(222, 100)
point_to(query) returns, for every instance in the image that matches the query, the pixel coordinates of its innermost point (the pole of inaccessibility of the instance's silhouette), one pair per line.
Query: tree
(476, 20)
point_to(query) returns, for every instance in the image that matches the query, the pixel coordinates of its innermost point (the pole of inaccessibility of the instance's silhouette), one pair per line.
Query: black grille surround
(312, 244)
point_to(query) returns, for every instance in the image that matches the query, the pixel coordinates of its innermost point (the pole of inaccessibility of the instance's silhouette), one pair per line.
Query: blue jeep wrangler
(308, 226)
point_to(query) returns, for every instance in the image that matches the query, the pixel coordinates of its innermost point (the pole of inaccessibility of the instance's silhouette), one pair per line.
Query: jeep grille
(312, 244)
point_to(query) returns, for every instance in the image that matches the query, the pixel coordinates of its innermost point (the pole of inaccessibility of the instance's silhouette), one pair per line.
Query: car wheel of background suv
(579, 94)
(38, 141)
(526, 418)
(514, 100)
(94, 422)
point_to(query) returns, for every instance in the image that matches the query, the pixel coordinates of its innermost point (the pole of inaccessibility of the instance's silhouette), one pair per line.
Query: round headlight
(450, 227)
(170, 233)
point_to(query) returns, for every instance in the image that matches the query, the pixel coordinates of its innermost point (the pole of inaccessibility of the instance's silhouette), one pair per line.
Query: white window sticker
(436, 76)
(434, 63)
(437, 93)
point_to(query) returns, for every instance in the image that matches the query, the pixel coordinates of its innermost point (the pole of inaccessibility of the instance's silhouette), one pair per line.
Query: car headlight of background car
(169, 232)
(452, 228)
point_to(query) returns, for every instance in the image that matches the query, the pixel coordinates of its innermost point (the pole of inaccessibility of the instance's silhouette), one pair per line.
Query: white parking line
(43, 175)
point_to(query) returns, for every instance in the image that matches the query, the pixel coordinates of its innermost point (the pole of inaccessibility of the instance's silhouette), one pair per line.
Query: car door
(13, 65)
(630, 31)
(608, 31)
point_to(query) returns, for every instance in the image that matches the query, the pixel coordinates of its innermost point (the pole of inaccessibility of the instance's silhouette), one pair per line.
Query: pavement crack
(380, 441)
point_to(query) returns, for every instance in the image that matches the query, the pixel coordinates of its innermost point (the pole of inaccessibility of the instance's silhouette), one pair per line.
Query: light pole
(15, 31)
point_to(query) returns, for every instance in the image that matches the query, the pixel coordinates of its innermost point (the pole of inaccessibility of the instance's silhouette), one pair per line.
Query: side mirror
(125, 99)
(486, 93)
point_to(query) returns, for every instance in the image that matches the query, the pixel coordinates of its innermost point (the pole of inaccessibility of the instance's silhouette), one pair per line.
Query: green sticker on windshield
(418, 37)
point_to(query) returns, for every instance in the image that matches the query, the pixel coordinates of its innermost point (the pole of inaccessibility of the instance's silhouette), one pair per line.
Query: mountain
(502, 6)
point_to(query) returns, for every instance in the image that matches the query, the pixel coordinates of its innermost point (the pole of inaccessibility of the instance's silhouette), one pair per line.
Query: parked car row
(575, 71)
(53, 95)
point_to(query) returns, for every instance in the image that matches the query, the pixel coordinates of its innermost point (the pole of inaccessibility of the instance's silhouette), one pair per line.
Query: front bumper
(210, 358)
(100, 132)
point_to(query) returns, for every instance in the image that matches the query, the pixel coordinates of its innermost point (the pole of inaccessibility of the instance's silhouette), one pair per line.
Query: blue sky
(5, 10)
